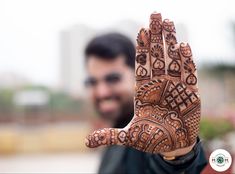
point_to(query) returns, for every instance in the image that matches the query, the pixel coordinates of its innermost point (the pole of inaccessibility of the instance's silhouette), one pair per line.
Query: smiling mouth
(107, 105)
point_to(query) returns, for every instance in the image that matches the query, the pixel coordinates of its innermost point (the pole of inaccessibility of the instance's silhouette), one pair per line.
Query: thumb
(106, 136)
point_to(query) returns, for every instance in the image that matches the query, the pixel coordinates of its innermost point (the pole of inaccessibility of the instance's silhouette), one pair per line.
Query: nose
(102, 90)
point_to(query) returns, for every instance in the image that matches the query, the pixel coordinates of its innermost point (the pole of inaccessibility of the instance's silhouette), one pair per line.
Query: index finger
(142, 61)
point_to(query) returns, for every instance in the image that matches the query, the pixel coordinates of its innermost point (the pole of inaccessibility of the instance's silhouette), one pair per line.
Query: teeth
(107, 105)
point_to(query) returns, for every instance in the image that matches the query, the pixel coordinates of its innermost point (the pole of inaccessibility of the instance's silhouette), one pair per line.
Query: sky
(30, 29)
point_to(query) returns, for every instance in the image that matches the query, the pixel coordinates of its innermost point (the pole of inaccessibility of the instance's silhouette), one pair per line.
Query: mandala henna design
(167, 108)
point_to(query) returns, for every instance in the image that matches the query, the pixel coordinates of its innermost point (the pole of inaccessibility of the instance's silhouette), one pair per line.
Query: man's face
(111, 86)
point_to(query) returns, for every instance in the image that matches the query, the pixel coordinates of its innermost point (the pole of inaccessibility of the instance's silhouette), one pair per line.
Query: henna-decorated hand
(167, 103)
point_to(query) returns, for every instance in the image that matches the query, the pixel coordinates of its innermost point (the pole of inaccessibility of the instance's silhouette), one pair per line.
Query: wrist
(177, 153)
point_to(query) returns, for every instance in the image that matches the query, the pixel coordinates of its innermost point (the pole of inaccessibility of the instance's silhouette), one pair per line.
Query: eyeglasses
(109, 79)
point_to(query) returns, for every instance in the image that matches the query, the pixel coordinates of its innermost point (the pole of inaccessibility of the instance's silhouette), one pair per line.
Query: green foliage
(6, 102)
(59, 101)
(62, 102)
(218, 70)
(212, 128)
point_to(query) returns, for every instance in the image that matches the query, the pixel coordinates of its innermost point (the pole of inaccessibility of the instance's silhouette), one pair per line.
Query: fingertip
(87, 142)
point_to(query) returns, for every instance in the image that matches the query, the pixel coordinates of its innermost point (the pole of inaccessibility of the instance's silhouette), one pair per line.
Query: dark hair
(110, 46)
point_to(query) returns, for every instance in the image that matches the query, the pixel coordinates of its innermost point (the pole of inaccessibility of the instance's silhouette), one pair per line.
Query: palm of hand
(167, 103)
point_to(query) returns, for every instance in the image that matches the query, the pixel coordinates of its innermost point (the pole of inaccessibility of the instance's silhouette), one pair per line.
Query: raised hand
(167, 103)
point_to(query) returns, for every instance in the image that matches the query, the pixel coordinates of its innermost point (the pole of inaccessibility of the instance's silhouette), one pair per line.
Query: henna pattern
(167, 106)
(143, 38)
(173, 55)
(189, 66)
(158, 61)
(142, 56)
(105, 136)
(167, 117)
(170, 39)
(168, 26)
(141, 59)
(155, 23)
(141, 72)
(185, 50)
(162, 106)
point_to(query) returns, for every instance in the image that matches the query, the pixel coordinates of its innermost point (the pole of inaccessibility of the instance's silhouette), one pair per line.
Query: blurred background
(44, 112)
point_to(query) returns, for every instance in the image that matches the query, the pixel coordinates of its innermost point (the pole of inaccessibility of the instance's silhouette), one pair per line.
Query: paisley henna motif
(167, 103)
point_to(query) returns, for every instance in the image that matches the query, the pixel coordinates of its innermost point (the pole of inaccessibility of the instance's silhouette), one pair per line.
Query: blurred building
(73, 41)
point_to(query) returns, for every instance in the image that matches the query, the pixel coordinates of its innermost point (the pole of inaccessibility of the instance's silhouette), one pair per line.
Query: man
(166, 107)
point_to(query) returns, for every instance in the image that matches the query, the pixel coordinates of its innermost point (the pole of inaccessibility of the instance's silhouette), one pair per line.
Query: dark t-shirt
(125, 160)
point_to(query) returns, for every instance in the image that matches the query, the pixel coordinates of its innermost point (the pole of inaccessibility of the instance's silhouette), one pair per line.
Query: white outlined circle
(220, 160)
